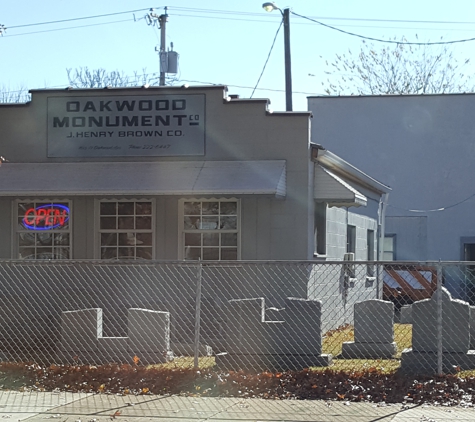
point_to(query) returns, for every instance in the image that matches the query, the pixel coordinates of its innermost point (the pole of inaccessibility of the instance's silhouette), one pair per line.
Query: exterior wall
(235, 130)
(422, 147)
(329, 283)
(411, 237)
(263, 229)
(337, 221)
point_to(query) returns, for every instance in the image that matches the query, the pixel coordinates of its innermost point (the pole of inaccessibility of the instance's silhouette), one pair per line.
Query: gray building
(172, 173)
(423, 147)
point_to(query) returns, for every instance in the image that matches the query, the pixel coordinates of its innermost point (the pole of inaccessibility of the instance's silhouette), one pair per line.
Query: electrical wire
(438, 209)
(250, 87)
(268, 57)
(381, 40)
(253, 14)
(429, 210)
(311, 23)
(190, 9)
(77, 19)
(250, 14)
(67, 28)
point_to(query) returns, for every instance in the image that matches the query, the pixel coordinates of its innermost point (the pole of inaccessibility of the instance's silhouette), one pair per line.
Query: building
(168, 174)
(422, 146)
(181, 173)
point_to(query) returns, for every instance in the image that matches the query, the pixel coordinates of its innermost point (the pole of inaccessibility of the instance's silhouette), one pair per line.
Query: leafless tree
(397, 69)
(16, 95)
(100, 78)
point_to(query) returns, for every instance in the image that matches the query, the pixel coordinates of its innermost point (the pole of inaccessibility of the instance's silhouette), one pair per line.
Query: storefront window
(210, 230)
(44, 230)
(126, 229)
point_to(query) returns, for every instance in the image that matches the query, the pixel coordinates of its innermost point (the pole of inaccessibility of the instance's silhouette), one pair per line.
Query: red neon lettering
(40, 216)
(28, 219)
(49, 220)
(60, 216)
(50, 217)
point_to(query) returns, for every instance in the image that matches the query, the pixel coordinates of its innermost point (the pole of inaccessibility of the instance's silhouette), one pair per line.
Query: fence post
(439, 319)
(196, 346)
(379, 280)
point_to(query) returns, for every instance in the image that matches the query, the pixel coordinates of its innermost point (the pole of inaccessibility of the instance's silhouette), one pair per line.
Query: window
(43, 230)
(125, 229)
(370, 252)
(210, 230)
(351, 239)
(389, 247)
(320, 225)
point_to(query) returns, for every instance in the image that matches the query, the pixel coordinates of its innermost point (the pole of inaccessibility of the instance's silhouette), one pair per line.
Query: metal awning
(264, 177)
(330, 188)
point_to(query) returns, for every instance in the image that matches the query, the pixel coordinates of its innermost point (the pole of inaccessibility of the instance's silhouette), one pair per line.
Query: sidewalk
(72, 407)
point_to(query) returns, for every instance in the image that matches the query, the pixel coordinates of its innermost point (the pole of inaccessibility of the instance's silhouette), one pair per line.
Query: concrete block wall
(337, 221)
(327, 282)
(338, 295)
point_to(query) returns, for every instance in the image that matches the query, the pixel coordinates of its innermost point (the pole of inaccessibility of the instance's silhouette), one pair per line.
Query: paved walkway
(72, 407)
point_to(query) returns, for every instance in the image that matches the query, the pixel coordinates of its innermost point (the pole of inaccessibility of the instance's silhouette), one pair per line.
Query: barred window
(43, 230)
(210, 230)
(125, 229)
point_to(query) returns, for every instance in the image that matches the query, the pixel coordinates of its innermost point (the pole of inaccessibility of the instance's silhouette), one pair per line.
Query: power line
(379, 39)
(250, 87)
(153, 75)
(215, 11)
(69, 27)
(254, 14)
(77, 19)
(268, 57)
(233, 19)
(437, 209)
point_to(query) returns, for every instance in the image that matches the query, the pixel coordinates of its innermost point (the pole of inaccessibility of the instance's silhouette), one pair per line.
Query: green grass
(332, 344)
(333, 340)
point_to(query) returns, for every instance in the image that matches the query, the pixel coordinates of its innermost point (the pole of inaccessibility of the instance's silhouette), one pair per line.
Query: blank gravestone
(374, 331)
(455, 335)
(82, 337)
(254, 343)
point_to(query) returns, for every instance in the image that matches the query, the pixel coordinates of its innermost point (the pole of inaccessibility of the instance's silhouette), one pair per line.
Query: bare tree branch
(17, 95)
(397, 69)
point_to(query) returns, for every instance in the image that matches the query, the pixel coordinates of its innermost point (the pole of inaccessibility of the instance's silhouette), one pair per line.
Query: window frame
(350, 238)
(393, 251)
(320, 229)
(182, 231)
(98, 231)
(16, 232)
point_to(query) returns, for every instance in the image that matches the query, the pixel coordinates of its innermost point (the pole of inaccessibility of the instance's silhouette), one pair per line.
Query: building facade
(165, 174)
(172, 174)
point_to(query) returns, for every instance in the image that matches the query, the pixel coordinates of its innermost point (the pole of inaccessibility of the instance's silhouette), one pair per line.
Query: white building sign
(110, 126)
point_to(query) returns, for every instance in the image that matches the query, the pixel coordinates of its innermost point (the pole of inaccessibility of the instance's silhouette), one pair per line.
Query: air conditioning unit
(350, 256)
(350, 269)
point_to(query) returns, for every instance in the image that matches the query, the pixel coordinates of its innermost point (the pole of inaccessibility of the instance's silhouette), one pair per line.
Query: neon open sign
(46, 217)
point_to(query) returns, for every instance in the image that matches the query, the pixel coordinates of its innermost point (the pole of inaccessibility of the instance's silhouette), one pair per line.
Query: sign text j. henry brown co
(139, 125)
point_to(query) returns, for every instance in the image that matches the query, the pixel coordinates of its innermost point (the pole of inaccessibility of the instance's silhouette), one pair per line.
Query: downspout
(383, 202)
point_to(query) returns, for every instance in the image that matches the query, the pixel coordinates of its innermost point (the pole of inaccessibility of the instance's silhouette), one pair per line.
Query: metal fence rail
(414, 317)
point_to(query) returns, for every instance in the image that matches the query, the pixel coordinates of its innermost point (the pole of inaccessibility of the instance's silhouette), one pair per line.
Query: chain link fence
(257, 316)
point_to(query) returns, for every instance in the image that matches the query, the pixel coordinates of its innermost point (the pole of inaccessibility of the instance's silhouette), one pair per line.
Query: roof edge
(341, 167)
(131, 88)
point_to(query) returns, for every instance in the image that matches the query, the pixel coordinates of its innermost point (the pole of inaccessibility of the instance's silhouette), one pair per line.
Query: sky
(218, 42)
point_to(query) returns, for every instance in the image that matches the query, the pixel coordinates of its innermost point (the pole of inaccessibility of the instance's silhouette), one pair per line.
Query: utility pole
(269, 7)
(162, 19)
(288, 66)
(168, 59)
